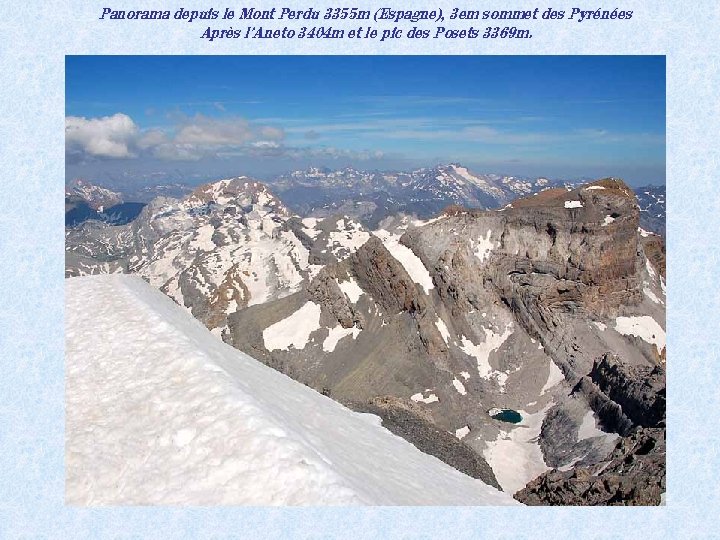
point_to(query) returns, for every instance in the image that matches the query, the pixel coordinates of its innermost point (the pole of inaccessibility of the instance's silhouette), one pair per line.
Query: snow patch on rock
(483, 247)
(336, 334)
(515, 455)
(555, 376)
(405, 256)
(644, 327)
(460, 387)
(442, 328)
(293, 331)
(351, 289)
(481, 351)
(419, 397)
(588, 428)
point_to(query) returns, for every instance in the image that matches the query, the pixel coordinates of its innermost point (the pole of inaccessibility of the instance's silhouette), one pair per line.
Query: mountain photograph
(347, 280)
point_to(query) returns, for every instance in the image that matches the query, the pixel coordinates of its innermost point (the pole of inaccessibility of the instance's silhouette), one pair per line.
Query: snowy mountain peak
(230, 244)
(241, 191)
(96, 197)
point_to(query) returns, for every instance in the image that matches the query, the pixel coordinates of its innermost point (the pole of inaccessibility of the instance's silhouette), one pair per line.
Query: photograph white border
(36, 38)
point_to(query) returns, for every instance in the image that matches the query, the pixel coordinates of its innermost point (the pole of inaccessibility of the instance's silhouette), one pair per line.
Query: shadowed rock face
(631, 401)
(325, 290)
(639, 390)
(380, 274)
(408, 421)
(624, 396)
(633, 474)
(654, 248)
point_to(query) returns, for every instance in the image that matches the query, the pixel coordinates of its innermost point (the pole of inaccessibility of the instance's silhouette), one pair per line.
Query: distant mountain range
(372, 196)
(227, 245)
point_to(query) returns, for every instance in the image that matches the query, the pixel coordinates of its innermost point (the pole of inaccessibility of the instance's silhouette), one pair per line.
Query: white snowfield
(158, 411)
(515, 456)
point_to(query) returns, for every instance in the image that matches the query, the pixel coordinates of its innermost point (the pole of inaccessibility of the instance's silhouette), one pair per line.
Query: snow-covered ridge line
(161, 412)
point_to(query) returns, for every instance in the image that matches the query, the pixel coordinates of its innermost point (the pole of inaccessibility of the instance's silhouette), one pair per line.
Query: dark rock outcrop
(610, 413)
(412, 424)
(638, 390)
(632, 475)
(624, 396)
(654, 248)
(560, 436)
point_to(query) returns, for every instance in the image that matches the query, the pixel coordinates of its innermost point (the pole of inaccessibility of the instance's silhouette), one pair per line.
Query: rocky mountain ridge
(436, 325)
(371, 196)
(480, 311)
(633, 474)
(368, 196)
(88, 202)
(651, 200)
(95, 196)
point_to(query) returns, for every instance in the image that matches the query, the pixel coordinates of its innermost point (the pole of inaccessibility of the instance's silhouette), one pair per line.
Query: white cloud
(265, 144)
(204, 131)
(109, 136)
(152, 138)
(268, 132)
(118, 136)
(172, 151)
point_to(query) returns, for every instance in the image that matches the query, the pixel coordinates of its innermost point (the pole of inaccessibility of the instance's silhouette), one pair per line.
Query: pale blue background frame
(36, 36)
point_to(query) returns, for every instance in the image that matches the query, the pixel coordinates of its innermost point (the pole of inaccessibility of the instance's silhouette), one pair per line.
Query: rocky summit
(524, 346)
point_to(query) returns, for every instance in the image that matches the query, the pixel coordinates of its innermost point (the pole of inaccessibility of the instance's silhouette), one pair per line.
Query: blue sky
(202, 117)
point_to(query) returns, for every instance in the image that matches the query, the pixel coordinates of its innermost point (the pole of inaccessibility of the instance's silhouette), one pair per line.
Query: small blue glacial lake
(508, 415)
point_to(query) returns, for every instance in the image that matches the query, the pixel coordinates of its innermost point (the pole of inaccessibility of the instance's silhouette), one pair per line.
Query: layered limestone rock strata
(513, 294)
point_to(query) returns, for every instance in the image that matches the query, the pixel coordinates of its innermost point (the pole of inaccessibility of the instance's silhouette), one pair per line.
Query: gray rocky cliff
(633, 474)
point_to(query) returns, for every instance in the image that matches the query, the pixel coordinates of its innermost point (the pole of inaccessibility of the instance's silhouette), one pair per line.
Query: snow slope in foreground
(158, 411)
